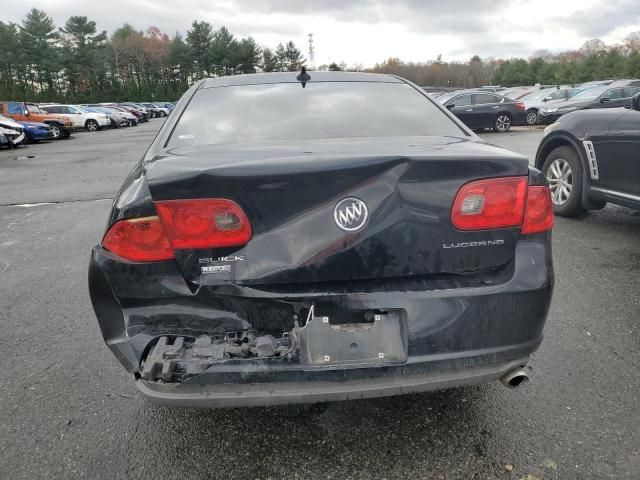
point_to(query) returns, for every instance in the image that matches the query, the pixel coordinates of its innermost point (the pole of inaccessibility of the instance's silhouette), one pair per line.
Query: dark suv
(592, 157)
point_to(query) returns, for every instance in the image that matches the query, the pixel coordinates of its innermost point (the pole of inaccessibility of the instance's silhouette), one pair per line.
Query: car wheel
(563, 171)
(91, 125)
(162, 114)
(532, 117)
(502, 123)
(56, 132)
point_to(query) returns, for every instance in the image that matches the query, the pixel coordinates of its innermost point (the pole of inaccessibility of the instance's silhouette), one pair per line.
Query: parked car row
(545, 104)
(500, 108)
(604, 96)
(25, 122)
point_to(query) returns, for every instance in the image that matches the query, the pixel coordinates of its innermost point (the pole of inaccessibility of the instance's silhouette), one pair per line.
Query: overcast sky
(368, 31)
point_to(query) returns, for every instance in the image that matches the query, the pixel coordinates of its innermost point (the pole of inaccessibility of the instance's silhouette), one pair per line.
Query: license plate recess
(380, 342)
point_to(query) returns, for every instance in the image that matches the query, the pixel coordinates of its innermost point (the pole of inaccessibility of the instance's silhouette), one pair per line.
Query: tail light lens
(204, 223)
(501, 203)
(138, 240)
(492, 203)
(520, 106)
(538, 215)
(180, 224)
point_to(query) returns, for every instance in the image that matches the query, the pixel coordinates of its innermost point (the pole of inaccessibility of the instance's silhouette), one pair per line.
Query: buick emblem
(351, 214)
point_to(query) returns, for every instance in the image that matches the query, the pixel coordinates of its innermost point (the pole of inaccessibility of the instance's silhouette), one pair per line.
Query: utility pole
(312, 62)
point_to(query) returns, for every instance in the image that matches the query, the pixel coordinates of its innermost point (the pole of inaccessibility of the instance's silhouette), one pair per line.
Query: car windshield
(285, 111)
(590, 93)
(34, 108)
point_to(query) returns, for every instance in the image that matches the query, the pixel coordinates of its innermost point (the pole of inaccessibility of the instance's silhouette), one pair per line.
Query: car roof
(474, 92)
(290, 77)
(626, 82)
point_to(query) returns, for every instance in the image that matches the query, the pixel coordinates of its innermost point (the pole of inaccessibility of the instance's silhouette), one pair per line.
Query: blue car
(36, 131)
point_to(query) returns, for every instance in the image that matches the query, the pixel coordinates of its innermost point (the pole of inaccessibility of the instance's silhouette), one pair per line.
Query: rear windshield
(285, 111)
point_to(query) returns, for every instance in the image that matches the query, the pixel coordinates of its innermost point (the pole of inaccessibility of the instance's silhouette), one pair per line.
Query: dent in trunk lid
(289, 193)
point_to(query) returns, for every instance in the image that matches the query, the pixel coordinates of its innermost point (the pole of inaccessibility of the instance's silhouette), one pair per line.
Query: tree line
(593, 61)
(79, 63)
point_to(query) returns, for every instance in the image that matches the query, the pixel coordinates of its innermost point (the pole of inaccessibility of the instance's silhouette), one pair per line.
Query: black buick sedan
(592, 157)
(323, 236)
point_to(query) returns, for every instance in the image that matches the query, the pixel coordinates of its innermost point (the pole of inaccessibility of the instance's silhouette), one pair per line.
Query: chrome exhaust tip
(516, 378)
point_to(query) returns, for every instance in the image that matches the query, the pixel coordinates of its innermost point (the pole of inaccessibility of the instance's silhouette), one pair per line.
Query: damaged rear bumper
(403, 380)
(234, 345)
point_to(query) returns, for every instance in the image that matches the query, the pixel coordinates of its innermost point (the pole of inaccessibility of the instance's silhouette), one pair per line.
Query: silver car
(534, 101)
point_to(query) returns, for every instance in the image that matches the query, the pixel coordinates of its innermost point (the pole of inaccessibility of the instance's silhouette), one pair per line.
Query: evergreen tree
(281, 59)
(200, 39)
(224, 52)
(11, 70)
(181, 63)
(82, 47)
(269, 61)
(78, 62)
(40, 49)
(294, 58)
(249, 55)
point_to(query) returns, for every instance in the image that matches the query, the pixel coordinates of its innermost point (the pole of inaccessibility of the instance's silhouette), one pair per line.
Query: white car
(80, 116)
(11, 132)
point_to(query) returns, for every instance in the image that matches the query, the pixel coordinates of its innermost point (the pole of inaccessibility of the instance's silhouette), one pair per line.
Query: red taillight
(520, 106)
(204, 223)
(138, 240)
(501, 203)
(492, 203)
(538, 215)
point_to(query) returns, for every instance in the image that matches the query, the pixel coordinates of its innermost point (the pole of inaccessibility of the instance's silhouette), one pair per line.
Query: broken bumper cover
(403, 380)
(453, 332)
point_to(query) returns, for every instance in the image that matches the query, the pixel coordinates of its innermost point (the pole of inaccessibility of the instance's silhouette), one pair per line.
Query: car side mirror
(26, 113)
(450, 105)
(635, 102)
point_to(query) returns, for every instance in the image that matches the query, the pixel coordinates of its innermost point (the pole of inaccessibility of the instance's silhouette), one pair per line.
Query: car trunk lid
(290, 193)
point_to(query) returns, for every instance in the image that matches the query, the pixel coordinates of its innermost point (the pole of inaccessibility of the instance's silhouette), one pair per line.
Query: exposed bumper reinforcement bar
(230, 395)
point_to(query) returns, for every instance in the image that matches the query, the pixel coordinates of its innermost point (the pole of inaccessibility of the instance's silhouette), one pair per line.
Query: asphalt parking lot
(68, 410)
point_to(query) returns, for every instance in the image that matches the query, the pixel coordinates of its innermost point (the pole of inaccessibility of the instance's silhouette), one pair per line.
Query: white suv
(80, 116)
